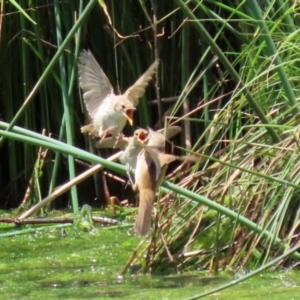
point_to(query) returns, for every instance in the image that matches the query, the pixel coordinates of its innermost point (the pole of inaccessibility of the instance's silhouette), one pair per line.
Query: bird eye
(123, 106)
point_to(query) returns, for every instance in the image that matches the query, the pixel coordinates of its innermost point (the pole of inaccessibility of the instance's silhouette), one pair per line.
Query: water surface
(62, 264)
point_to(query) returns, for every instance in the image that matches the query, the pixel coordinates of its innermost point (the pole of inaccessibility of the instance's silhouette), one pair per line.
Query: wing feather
(136, 91)
(152, 157)
(93, 82)
(111, 143)
(170, 131)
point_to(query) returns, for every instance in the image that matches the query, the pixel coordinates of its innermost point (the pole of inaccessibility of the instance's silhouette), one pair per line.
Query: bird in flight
(109, 112)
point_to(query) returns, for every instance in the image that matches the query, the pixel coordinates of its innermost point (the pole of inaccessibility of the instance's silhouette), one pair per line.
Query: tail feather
(88, 129)
(143, 220)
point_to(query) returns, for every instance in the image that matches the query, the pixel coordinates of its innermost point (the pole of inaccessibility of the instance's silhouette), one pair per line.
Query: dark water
(61, 264)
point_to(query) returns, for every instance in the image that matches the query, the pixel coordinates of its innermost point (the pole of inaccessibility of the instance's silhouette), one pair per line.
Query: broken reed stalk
(38, 166)
(62, 189)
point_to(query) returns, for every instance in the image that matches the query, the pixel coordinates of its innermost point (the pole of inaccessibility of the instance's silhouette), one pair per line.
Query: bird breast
(131, 153)
(109, 116)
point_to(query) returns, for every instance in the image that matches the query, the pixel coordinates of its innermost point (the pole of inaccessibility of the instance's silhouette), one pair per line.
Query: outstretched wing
(93, 82)
(170, 131)
(112, 143)
(136, 91)
(156, 140)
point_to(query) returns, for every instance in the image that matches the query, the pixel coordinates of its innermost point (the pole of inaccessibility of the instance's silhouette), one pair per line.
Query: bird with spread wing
(109, 112)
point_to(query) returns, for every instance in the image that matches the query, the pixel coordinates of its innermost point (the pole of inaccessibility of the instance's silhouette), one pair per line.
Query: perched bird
(150, 172)
(132, 146)
(146, 172)
(109, 112)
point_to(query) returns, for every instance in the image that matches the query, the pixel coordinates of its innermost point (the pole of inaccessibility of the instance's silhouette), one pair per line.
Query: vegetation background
(228, 76)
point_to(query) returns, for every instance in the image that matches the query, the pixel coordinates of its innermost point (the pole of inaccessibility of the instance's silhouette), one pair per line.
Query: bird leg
(104, 134)
(128, 170)
(120, 136)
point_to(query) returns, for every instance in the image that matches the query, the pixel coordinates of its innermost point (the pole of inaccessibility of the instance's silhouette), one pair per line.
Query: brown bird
(150, 172)
(109, 112)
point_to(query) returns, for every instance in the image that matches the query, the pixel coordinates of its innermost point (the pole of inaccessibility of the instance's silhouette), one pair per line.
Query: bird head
(141, 135)
(127, 108)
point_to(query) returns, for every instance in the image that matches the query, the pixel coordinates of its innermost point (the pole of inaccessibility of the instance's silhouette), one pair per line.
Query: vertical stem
(156, 54)
(185, 63)
(265, 36)
(49, 67)
(67, 104)
(205, 35)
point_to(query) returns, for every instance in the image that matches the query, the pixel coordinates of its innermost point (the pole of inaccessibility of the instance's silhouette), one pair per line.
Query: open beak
(129, 116)
(143, 136)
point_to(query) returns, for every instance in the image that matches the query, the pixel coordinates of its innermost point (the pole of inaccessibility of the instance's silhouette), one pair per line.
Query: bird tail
(88, 128)
(143, 220)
